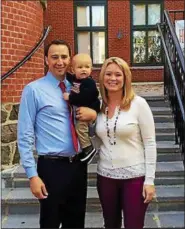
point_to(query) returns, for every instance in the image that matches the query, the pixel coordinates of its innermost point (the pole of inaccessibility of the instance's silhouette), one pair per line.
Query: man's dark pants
(66, 183)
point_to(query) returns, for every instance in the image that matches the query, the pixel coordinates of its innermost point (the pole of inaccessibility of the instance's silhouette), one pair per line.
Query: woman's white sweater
(135, 149)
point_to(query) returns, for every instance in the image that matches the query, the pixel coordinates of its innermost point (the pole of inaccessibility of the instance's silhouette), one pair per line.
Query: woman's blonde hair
(128, 92)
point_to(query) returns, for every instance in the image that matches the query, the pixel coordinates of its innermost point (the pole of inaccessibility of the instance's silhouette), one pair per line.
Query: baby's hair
(81, 56)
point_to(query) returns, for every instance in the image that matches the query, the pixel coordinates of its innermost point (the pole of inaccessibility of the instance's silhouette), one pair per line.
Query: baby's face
(82, 69)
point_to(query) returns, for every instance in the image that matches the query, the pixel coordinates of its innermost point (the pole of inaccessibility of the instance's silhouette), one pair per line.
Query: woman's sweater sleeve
(147, 127)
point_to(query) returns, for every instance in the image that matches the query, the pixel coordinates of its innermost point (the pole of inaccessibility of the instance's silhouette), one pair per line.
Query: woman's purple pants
(117, 195)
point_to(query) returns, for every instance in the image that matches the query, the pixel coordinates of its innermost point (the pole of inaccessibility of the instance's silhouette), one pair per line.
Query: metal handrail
(36, 47)
(172, 74)
(176, 41)
(174, 81)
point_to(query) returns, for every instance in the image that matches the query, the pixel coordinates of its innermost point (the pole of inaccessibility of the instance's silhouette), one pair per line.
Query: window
(91, 29)
(145, 39)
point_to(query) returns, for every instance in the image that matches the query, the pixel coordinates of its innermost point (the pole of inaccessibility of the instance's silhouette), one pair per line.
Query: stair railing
(30, 54)
(174, 77)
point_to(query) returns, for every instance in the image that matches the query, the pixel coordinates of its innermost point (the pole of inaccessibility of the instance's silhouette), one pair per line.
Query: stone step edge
(95, 200)
(93, 177)
(161, 134)
(92, 174)
(155, 98)
(150, 97)
(92, 195)
(13, 172)
(156, 219)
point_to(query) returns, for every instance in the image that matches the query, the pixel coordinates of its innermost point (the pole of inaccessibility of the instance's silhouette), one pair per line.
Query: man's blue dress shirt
(43, 122)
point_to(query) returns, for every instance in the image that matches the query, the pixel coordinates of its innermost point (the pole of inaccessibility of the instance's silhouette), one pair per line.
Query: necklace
(111, 141)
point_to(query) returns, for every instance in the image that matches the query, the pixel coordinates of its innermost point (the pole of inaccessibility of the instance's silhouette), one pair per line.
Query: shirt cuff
(31, 172)
(149, 181)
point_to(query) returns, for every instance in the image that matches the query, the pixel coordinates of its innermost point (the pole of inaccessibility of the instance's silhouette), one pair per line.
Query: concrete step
(158, 103)
(24, 182)
(166, 151)
(163, 118)
(169, 157)
(161, 110)
(163, 169)
(176, 180)
(165, 127)
(152, 98)
(21, 200)
(16, 177)
(167, 147)
(165, 137)
(155, 98)
(171, 219)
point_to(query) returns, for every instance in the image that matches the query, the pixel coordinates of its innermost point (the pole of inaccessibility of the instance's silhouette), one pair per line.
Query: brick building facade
(61, 13)
(22, 26)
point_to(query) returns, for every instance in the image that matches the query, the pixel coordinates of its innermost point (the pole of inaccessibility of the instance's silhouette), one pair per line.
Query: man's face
(58, 60)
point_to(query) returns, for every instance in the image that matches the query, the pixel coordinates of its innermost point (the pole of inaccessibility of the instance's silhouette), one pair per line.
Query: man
(60, 180)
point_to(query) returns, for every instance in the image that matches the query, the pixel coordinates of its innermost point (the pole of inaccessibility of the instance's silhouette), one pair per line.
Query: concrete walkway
(149, 89)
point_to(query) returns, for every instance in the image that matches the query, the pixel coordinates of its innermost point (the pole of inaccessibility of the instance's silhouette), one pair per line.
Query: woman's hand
(85, 114)
(148, 192)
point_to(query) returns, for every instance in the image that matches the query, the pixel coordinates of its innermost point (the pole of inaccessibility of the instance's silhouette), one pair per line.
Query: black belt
(70, 159)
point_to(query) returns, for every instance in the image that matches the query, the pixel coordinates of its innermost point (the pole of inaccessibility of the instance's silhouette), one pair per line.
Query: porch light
(119, 34)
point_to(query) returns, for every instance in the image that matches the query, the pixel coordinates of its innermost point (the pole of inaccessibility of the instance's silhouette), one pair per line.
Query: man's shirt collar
(53, 80)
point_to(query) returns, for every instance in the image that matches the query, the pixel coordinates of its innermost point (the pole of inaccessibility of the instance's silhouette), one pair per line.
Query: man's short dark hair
(57, 42)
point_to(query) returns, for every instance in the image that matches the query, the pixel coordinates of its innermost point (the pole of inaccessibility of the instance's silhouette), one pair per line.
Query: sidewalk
(149, 89)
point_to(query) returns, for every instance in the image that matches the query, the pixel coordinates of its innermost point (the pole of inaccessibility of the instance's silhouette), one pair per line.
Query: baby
(83, 93)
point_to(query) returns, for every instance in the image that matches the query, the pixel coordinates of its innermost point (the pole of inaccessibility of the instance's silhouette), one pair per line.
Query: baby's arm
(66, 96)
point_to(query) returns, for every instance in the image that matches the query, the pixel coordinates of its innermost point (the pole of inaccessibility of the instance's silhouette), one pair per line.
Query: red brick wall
(59, 14)
(139, 75)
(22, 26)
(147, 75)
(177, 5)
(119, 18)
(174, 4)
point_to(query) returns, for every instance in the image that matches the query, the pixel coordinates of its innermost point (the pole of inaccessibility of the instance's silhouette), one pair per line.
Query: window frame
(90, 28)
(145, 28)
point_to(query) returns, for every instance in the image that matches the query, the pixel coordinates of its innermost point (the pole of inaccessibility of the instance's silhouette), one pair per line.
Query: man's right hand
(38, 188)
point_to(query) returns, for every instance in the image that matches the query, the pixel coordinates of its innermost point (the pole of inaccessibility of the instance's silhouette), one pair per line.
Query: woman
(126, 168)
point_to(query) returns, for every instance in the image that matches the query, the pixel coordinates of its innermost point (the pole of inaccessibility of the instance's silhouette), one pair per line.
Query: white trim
(147, 67)
(148, 83)
(137, 68)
